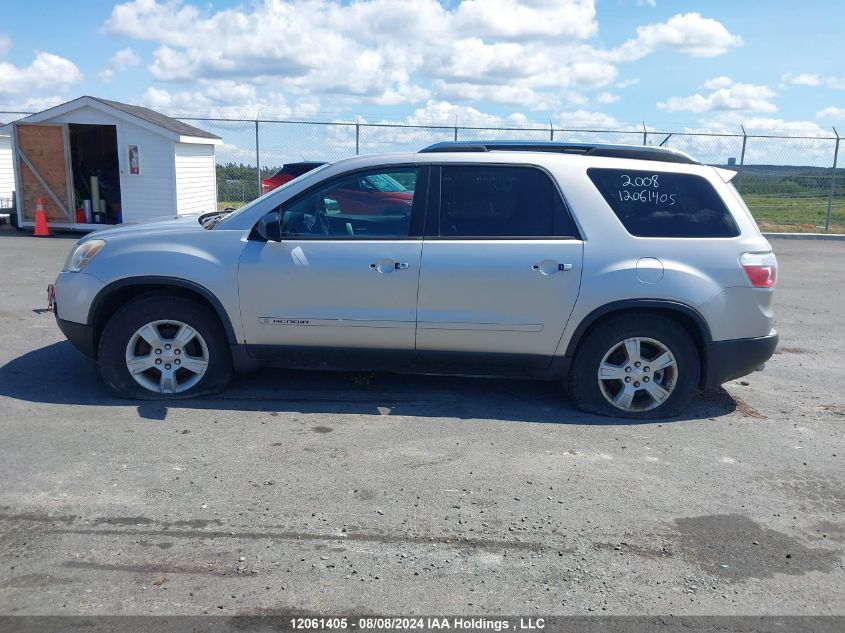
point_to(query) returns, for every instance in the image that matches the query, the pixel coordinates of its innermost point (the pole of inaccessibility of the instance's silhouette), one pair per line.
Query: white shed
(7, 173)
(93, 161)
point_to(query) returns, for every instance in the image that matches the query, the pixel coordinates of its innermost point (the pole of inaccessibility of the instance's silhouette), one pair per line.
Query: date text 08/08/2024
(418, 623)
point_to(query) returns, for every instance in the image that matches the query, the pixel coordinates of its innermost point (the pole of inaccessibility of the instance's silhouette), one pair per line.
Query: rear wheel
(159, 347)
(638, 366)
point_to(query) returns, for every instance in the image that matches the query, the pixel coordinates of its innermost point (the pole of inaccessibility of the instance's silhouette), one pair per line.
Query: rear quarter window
(660, 204)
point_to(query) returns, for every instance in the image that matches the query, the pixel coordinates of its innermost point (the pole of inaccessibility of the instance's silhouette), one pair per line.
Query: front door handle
(550, 267)
(387, 265)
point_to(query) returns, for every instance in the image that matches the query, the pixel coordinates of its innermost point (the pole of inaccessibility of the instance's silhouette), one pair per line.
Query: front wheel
(637, 366)
(159, 347)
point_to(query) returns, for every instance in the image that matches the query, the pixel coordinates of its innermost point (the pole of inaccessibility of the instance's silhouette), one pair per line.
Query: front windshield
(223, 221)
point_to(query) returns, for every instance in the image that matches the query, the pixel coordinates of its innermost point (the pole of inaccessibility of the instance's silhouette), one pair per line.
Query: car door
(501, 264)
(340, 278)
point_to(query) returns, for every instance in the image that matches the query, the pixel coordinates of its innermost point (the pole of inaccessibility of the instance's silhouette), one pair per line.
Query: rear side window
(651, 204)
(501, 201)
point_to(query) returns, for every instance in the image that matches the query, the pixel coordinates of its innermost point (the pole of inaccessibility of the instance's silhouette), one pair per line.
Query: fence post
(645, 135)
(357, 136)
(551, 130)
(257, 159)
(456, 128)
(742, 158)
(832, 182)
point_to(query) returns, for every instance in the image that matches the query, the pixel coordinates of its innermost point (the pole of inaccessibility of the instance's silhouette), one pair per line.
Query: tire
(200, 364)
(612, 345)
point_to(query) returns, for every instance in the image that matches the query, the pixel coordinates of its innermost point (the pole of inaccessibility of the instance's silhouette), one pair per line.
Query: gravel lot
(400, 494)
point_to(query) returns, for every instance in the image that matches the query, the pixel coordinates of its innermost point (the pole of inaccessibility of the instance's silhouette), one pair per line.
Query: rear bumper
(727, 360)
(80, 334)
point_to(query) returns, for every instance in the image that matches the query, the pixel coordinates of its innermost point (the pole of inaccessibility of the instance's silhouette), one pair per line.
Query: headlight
(83, 254)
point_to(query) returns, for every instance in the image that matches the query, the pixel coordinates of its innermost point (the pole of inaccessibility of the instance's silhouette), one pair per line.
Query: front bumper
(80, 334)
(70, 300)
(727, 360)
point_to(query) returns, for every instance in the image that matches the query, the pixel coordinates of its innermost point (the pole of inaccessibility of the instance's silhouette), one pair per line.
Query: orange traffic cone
(41, 228)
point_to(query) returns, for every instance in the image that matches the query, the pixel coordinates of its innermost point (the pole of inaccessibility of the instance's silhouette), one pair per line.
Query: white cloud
(517, 20)
(32, 104)
(799, 128)
(535, 53)
(512, 95)
(120, 61)
(151, 20)
(607, 98)
(227, 99)
(831, 113)
(230, 152)
(587, 119)
(809, 79)
(446, 113)
(731, 122)
(519, 119)
(647, 3)
(804, 79)
(627, 83)
(718, 82)
(472, 58)
(364, 50)
(725, 95)
(5, 43)
(46, 72)
(573, 98)
(688, 33)
(124, 58)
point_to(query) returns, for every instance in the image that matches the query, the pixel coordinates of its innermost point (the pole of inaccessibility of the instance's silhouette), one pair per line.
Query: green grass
(796, 214)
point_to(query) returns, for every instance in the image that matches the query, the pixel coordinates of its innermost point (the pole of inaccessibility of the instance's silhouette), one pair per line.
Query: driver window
(373, 204)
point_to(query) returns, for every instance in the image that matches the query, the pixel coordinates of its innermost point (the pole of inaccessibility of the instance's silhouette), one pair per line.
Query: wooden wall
(44, 147)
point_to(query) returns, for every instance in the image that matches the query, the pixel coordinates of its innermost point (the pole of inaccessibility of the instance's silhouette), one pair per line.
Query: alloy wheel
(638, 374)
(167, 356)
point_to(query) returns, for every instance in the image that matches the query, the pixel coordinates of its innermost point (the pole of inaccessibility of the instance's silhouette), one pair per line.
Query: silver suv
(634, 275)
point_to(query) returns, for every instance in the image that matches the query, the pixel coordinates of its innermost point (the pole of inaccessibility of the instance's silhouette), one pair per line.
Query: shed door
(42, 153)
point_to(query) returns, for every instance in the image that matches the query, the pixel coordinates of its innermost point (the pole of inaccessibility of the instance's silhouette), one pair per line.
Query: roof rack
(637, 152)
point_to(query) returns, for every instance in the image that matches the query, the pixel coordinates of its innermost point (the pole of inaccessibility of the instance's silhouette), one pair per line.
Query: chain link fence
(790, 183)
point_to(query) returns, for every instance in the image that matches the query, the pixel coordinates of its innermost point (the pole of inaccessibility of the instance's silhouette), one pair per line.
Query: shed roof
(139, 115)
(157, 118)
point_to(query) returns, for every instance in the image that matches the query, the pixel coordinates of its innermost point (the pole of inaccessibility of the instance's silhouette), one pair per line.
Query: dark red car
(287, 173)
(372, 194)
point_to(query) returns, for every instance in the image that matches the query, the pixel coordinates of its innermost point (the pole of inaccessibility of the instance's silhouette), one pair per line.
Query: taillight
(761, 268)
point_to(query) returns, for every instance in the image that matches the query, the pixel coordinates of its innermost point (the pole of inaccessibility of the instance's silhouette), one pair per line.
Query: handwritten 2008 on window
(644, 189)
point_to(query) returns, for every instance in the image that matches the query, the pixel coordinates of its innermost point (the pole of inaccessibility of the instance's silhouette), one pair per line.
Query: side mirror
(331, 206)
(269, 227)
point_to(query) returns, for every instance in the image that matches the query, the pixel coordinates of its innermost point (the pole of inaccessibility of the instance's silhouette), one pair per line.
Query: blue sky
(774, 65)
